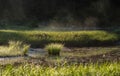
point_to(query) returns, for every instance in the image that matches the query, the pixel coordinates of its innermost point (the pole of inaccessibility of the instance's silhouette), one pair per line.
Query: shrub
(54, 48)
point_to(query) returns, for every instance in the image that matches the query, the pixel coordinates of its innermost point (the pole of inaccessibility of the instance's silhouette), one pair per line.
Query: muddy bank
(69, 56)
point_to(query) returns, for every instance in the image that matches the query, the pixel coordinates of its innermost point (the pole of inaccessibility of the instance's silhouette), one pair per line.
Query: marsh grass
(54, 48)
(69, 38)
(14, 48)
(105, 69)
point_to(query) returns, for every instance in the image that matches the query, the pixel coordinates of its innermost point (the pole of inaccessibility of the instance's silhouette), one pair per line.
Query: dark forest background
(90, 13)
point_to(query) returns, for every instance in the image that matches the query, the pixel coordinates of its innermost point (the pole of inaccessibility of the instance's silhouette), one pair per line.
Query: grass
(41, 38)
(54, 48)
(14, 48)
(71, 38)
(105, 69)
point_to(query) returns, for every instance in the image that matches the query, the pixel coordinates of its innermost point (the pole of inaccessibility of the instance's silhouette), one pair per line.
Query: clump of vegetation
(14, 48)
(54, 48)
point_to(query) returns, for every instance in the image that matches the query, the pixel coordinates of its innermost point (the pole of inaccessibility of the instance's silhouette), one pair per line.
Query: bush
(54, 48)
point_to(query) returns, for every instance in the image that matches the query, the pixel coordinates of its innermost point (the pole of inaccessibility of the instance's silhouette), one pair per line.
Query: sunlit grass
(69, 38)
(106, 69)
(54, 48)
(14, 48)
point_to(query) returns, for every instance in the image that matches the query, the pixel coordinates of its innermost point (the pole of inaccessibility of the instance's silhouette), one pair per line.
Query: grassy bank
(76, 38)
(106, 69)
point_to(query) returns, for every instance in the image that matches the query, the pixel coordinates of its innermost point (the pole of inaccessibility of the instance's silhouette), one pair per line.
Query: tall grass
(106, 69)
(72, 38)
(54, 48)
(14, 48)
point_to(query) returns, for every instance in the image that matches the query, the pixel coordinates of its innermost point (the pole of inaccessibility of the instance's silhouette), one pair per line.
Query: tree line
(74, 12)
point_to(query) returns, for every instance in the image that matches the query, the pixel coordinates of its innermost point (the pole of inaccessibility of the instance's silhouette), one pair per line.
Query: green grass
(106, 69)
(14, 48)
(71, 38)
(54, 48)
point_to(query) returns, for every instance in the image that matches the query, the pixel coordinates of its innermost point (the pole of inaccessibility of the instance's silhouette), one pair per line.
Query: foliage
(105, 69)
(14, 48)
(54, 48)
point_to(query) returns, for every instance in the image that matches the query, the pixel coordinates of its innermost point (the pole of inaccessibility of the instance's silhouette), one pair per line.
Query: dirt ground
(82, 55)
